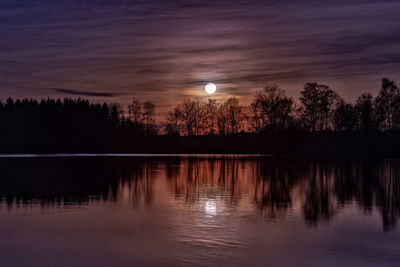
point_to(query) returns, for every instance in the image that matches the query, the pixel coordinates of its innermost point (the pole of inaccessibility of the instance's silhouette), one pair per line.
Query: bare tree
(192, 114)
(257, 118)
(135, 113)
(222, 119)
(210, 120)
(388, 105)
(271, 109)
(365, 113)
(199, 116)
(148, 117)
(173, 122)
(236, 115)
(345, 117)
(186, 115)
(318, 103)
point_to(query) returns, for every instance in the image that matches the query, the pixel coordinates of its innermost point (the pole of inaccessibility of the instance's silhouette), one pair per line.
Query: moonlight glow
(211, 88)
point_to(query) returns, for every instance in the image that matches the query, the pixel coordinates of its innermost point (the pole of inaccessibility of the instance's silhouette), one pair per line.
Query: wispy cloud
(84, 93)
(162, 50)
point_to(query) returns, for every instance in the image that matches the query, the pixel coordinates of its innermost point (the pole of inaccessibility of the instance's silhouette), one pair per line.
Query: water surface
(198, 210)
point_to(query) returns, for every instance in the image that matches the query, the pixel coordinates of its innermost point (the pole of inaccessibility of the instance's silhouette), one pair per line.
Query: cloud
(85, 93)
(161, 50)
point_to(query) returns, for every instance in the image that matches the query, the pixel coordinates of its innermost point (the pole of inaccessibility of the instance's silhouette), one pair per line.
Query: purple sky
(117, 50)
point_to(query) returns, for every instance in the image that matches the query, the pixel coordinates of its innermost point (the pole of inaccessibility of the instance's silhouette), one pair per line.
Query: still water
(198, 210)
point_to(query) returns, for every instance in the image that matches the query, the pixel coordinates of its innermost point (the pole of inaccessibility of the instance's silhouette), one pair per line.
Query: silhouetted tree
(345, 117)
(211, 114)
(365, 113)
(199, 116)
(388, 105)
(317, 106)
(222, 119)
(135, 113)
(148, 117)
(173, 122)
(271, 109)
(192, 115)
(187, 114)
(116, 112)
(235, 115)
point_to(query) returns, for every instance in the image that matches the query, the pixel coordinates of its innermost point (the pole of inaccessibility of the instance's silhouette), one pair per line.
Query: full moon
(211, 88)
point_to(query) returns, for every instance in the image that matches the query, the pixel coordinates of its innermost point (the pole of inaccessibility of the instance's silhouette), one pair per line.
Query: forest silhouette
(319, 123)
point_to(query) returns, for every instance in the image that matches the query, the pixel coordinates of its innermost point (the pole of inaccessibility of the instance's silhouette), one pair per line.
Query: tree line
(319, 108)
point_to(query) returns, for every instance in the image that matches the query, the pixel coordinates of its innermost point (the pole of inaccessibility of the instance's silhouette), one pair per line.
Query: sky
(119, 50)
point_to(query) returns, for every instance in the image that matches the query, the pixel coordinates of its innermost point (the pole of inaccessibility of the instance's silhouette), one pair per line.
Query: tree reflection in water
(274, 186)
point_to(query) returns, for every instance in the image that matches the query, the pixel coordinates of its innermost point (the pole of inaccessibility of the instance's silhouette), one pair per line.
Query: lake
(210, 210)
